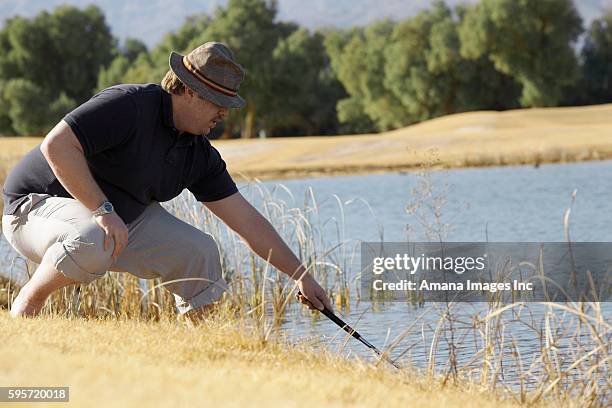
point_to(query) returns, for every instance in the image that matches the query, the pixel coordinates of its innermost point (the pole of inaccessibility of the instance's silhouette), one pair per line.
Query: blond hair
(172, 84)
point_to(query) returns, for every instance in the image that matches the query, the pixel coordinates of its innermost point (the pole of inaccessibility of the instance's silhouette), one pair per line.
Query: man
(86, 200)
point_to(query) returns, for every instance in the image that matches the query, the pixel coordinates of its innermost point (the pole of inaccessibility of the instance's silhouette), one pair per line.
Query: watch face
(108, 207)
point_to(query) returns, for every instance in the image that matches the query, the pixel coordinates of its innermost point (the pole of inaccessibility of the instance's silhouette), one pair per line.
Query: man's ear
(190, 94)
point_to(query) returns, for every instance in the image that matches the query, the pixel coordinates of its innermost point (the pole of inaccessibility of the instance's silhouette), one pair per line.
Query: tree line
(493, 54)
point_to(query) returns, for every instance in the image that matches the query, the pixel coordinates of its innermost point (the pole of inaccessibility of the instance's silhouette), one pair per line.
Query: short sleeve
(216, 183)
(104, 121)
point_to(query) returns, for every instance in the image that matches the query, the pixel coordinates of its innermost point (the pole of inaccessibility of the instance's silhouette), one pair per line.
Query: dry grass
(526, 136)
(133, 363)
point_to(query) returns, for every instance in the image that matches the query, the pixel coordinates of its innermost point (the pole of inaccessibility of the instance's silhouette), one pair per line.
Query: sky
(149, 20)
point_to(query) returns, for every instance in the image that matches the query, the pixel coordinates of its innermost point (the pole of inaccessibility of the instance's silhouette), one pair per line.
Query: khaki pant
(63, 232)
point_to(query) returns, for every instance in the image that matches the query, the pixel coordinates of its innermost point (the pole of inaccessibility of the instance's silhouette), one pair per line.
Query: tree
(597, 57)
(57, 55)
(249, 29)
(6, 124)
(529, 40)
(427, 73)
(357, 58)
(132, 48)
(125, 56)
(406, 72)
(423, 67)
(31, 110)
(134, 64)
(113, 74)
(306, 89)
(83, 44)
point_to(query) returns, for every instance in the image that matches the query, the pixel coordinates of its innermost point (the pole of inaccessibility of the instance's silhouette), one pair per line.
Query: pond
(505, 204)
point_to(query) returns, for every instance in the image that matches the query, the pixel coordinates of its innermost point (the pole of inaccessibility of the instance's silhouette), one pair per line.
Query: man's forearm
(263, 239)
(265, 242)
(70, 166)
(257, 231)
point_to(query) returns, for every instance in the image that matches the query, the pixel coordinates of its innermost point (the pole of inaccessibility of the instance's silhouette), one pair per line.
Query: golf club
(331, 316)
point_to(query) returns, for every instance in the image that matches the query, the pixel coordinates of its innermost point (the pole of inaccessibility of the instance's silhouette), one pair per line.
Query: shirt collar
(167, 109)
(185, 139)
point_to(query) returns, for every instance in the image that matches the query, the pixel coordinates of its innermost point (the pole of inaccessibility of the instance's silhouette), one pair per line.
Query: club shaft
(331, 316)
(338, 321)
(356, 335)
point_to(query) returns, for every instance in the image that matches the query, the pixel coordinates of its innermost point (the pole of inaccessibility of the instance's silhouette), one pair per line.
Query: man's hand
(114, 228)
(312, 293)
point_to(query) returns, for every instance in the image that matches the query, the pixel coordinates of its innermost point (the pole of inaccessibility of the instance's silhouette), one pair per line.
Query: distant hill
(472, 139)
(149, 20)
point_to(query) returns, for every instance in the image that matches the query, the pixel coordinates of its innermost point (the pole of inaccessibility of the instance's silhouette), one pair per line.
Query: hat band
(210, 83)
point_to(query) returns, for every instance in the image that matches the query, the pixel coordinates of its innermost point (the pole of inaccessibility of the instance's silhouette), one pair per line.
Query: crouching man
(86, 200)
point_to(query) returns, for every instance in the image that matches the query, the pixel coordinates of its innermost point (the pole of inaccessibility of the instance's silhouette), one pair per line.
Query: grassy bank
(127, 362)
(524, 136)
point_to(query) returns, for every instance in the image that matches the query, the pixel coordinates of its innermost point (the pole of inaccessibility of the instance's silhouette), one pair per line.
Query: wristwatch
(105, 208)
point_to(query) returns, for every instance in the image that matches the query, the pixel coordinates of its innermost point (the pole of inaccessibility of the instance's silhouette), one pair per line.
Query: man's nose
(223, 112)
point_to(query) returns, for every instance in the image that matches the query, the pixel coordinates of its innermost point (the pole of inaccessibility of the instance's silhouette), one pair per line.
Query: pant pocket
(9, 225)
(11, 222)
(32, 200)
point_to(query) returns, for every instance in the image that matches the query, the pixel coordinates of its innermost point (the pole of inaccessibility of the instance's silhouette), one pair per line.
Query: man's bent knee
(82, 258)
(209, 250)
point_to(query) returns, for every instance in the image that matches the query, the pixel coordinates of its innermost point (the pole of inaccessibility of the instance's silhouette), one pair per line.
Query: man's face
(204, 115)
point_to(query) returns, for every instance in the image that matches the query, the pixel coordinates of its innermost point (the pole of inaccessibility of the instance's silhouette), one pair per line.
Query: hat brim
(176, 64)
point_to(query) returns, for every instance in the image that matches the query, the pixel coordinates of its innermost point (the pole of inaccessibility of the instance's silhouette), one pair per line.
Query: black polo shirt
(134, 152)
